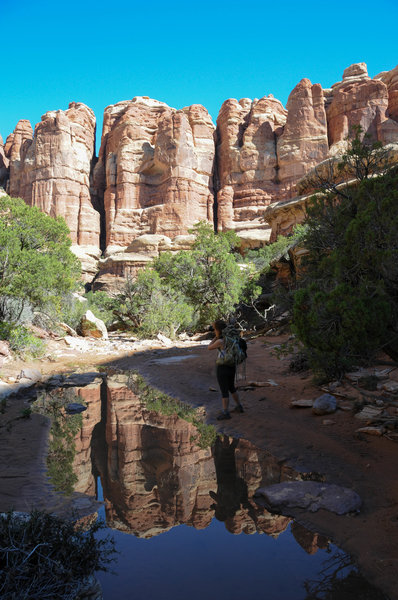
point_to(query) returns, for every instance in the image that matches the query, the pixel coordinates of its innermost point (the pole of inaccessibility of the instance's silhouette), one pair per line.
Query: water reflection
(154, 477)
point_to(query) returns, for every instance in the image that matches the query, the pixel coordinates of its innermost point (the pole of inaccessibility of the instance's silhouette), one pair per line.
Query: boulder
(4, 348)
(324, 405)
(91, 326)
(309, 495)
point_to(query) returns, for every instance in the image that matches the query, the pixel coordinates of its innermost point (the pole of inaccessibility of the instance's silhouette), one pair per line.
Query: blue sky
(181, 53)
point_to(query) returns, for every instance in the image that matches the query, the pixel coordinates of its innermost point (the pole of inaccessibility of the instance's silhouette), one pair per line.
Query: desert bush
(22, 341)
(44, 556)
(36, 264)
(346, 309)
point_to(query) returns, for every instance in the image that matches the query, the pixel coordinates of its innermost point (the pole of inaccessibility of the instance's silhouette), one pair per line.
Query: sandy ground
(327, 445)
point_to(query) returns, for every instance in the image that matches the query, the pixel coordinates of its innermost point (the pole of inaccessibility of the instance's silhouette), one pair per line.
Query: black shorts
(226, 379)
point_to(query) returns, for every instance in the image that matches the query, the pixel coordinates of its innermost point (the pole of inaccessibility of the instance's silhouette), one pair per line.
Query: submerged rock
(309, 495)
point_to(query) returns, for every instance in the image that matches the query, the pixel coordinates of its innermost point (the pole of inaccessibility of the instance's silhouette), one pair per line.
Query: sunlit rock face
(359, 101)
(51, 170)
(247, 165)
(154, 169)
(304, 142)
(390, 78)
(16, 148)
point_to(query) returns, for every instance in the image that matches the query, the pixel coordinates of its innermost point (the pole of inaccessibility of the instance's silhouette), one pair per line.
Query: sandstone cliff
(161, 170)
(52, 170)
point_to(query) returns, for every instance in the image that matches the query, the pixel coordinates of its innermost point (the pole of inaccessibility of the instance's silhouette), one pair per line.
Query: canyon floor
(326, 445)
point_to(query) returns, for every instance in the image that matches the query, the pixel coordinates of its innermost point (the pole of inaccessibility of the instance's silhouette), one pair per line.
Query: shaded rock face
(154, 170)
(4, 165)
(52, 169)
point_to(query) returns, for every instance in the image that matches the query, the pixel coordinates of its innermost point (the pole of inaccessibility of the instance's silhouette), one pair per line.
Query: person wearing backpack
(230, 354)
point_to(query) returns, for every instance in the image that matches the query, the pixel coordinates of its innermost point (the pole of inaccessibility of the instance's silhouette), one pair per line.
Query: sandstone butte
(160, 170)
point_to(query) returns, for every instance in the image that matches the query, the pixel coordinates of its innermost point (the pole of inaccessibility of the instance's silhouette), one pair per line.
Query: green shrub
(151, 306)
(36, 264)
(22, 341)
(265, 256)
(208, 276)
(346, 309)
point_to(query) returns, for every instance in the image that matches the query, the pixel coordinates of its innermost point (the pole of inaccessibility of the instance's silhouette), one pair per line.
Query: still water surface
(183, 517)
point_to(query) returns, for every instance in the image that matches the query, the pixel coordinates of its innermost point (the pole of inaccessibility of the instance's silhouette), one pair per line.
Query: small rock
(302, 403)
(32, 374)
(68, 329)
(371, 430)
(346, 406)
(328, 422)
(4, 348)
(268, 383)
(324, 405)
(368, 413)
(74, 408)
(165, 340)
(390, 386)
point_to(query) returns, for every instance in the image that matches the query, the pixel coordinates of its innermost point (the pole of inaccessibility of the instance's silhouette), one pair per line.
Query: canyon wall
(160, 170)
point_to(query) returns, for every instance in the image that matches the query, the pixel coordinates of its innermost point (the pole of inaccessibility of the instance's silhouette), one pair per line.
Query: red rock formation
(16, 148)
(304, 142)
(52, 170)
(82, 465)
(156, 476)
(359, 100)
(4, 164)
(390, 78)
(154, 169)
(247, 165)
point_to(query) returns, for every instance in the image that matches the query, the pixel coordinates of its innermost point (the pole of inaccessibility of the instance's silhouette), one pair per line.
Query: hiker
(225, 369)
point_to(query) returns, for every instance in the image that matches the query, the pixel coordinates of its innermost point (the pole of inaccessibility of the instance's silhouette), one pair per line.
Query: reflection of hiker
(231, 489)
(229, 354)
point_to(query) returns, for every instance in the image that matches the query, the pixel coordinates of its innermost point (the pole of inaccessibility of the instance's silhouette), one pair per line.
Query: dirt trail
(365, 463)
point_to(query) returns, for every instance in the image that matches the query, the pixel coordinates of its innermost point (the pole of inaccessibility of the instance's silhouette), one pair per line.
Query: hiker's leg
(223, 382)
(234, 392)
(225, 403)
(235, 396)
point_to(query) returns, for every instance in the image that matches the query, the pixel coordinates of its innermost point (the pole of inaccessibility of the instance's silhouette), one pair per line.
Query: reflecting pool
(183, 516)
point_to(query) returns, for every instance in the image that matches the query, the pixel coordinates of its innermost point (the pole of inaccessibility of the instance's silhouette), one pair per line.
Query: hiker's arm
(216, 343)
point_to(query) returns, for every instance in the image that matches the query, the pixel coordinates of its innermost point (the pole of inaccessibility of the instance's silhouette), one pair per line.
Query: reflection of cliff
(154, 477)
